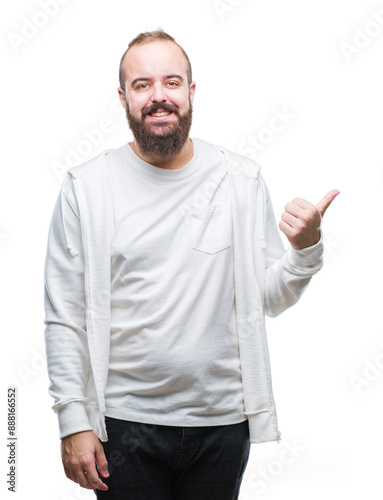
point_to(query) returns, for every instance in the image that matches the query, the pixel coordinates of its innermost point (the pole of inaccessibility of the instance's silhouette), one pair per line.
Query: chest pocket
(211, 228)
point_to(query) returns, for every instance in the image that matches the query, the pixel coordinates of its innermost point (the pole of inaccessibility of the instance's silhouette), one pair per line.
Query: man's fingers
(93, 479)
(286, 228)
(293, 209)
(301, 203)
(102, 463)
(325, 202)
(85, 475)
(82, 479)
(291, 220)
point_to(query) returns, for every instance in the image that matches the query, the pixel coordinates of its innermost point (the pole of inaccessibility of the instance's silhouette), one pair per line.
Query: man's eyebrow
(144, 79)
(175, 76)
(141, 79)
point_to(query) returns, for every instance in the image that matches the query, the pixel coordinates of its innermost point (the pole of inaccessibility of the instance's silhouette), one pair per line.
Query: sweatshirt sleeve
(288, 272)
(65, 316)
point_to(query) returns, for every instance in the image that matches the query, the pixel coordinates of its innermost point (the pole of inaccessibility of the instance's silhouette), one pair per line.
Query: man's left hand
(301, 220)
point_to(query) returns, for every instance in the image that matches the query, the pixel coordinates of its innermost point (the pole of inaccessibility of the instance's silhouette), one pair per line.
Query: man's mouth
(160, 114)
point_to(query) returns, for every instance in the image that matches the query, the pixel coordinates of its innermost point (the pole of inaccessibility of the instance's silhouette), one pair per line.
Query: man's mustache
(156, 107)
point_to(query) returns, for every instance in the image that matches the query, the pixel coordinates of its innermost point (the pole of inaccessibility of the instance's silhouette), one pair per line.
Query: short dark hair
(151, 36)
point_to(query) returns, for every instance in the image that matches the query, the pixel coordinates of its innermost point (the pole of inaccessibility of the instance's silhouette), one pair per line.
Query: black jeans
(160, 462)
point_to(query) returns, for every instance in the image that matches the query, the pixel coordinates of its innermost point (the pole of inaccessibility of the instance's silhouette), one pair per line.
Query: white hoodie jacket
(267, 280)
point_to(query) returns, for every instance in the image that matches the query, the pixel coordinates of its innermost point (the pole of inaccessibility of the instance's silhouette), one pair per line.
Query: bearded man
(163, 258)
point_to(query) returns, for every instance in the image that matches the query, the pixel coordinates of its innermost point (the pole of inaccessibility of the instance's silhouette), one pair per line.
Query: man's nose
(159, 94)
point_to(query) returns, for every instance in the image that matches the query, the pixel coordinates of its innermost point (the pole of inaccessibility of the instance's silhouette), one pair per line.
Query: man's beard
(165, 143)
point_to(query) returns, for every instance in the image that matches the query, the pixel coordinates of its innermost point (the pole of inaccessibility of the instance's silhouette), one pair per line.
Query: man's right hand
(80, 452)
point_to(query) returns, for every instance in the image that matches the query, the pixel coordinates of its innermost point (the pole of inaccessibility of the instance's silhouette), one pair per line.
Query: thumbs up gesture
(301, 220)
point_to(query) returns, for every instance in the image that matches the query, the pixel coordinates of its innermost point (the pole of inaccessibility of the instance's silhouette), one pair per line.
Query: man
(163, 257)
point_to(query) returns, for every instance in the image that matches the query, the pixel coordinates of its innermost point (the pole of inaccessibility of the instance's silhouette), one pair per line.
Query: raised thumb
(325, 202)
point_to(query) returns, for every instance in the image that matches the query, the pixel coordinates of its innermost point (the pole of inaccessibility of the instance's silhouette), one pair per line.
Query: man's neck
(171, 163)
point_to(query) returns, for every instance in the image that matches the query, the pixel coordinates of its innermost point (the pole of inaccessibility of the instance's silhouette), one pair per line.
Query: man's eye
(173, 84)
(142, 86)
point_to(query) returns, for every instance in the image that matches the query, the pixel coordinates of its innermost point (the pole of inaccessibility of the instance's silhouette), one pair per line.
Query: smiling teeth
(164, 113)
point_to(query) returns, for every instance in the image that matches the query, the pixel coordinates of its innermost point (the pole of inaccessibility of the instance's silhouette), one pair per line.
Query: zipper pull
(263, 242)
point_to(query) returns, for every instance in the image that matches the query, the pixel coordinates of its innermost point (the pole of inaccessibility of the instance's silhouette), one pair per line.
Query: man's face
(158, 98)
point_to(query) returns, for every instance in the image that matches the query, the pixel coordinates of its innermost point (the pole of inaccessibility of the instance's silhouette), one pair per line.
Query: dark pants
(160, 462)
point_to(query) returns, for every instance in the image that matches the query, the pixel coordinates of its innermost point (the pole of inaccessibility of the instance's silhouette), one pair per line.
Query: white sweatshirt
(86, 270)
(174, 356)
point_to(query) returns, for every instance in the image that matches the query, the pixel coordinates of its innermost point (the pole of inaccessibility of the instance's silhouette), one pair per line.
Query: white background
(249, 59)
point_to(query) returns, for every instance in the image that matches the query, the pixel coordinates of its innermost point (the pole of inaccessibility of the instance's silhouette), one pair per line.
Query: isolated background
(249, 59)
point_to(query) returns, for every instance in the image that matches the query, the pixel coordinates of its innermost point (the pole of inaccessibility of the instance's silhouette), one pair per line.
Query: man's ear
(192, 88)
(121, 95)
